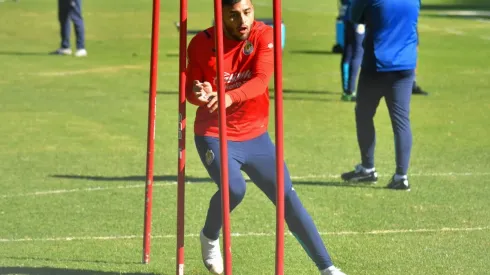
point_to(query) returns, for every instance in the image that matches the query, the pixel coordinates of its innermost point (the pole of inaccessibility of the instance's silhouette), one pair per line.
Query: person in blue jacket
(387, 70)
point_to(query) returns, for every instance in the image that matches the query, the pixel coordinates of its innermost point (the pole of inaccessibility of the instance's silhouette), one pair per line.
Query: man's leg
(209, 152)
(260, 167)
(64, 8)
(76, 17)
(368, 96)
(398, 103)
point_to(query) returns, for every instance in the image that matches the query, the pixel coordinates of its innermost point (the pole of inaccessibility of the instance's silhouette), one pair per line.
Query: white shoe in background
(81, 53)
(62, 51)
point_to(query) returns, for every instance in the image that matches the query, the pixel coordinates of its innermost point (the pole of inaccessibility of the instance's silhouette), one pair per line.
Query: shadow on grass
(23, 53)
(196, 180)
(67, 260)
(131, 178)
(59, 271)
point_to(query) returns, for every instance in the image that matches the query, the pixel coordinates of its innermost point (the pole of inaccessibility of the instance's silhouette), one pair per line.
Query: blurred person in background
(416, 89)
(351, 55)
(71, 11)
(387, 70)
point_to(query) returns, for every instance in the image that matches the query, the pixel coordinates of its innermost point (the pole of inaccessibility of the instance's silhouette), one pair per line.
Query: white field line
(479, 16)
(112, 69)
(447, 174)
(173, 183)
(93, 70)
(453, 31)
(252, 234)
(89, 189)
(427, 28)
(466, 13)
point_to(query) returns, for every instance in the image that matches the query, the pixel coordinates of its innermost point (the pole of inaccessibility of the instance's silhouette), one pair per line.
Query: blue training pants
(71, 10)
(256, 157)
(396, 88)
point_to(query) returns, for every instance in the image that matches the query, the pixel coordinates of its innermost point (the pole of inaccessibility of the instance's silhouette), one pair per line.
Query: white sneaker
(332, 271)
(211, 255)
(62, 51)
(81, 53)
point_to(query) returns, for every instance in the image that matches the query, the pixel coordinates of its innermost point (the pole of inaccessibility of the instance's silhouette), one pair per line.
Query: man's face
(238, 20)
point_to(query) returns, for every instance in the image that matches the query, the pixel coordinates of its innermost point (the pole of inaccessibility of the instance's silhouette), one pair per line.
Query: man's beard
(235, 35)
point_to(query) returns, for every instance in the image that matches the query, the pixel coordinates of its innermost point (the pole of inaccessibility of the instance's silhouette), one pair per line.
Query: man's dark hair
(229, 2)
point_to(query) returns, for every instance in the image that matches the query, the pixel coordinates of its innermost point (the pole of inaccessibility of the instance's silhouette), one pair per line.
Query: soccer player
(248, 66)
(351, 55)
(71, 11)
(387, 70)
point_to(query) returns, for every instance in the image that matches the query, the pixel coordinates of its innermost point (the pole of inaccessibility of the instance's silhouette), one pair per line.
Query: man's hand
(213, 102)
(206, 95)
(202, 90)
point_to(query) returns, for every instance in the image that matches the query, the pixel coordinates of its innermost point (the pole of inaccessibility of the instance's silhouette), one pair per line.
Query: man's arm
(356, 11)
(193, 72)
(261, 72)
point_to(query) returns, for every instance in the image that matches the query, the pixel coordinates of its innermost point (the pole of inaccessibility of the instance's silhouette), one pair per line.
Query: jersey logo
(248, 48)
(209, 157)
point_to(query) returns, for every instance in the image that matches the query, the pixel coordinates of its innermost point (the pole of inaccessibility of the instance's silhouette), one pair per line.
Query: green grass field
(73, 148)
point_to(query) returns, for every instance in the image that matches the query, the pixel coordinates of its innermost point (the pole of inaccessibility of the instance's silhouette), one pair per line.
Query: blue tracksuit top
(391, 37)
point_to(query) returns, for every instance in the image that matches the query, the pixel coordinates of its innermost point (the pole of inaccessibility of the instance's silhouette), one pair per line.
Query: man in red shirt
(248, 66)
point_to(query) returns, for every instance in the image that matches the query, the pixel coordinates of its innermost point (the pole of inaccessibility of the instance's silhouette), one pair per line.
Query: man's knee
(364, 110)
(237, 190)
(400, 120)
(292, 205)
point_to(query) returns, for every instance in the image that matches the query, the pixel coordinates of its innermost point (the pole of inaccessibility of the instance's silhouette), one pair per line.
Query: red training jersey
(248, 67)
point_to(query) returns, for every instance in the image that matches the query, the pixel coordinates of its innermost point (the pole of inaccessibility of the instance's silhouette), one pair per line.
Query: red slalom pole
(151, 130)
(181, 137)
(279, 138)
(225, 199)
